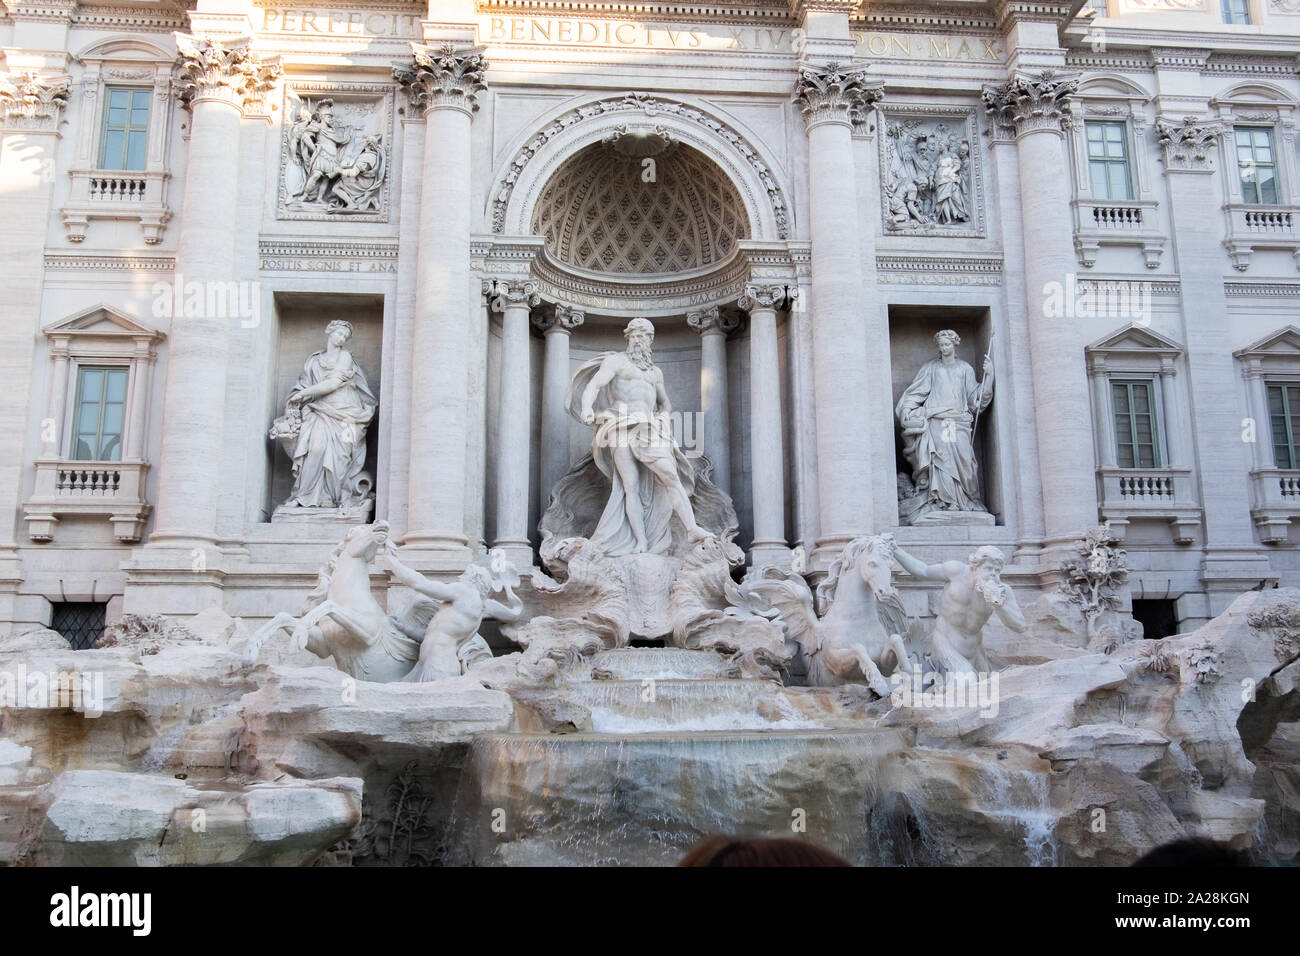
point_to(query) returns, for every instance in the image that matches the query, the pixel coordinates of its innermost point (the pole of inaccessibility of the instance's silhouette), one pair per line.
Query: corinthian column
(833, 98)
(31, 110)
(766, 445)
(555, 385)
(219, 80)
(1033, 110)
(445, 83)
(714, 327)
(514, 299)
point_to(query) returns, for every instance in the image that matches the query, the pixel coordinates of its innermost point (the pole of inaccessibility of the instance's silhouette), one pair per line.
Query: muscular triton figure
(973, 594)
(622, 395)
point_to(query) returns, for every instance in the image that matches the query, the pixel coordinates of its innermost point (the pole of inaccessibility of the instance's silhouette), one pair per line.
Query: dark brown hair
(758, 851)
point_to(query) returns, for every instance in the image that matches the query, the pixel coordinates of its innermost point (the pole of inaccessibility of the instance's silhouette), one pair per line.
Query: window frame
(74, 421)
(105, 128)
(1155, 401)
(1227, 15)
(1276, 165)
(1284, 384)
(1107, 162)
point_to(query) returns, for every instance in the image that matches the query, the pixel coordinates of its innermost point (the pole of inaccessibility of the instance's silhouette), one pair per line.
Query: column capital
(31, 102)
(765, 297)
(835, 93)
(1029, 102)
(226, 70)
(565, 320)
(443, 77)
(1189, 145)
(712, 321)
(508, 293)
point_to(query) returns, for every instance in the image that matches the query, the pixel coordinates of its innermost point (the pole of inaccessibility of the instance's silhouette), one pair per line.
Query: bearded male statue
(622, 395)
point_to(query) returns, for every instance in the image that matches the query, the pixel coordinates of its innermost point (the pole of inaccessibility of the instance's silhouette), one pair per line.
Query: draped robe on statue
(330, 452)
(649, 437)
(945, 471)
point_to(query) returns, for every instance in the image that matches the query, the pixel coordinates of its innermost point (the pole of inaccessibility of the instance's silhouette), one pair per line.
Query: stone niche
(301, 320)
(911, 345)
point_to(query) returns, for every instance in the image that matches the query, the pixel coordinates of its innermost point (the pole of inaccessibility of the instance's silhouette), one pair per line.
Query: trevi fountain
(651, 690)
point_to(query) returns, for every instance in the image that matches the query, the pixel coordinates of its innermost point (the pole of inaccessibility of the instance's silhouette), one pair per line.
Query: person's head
(478, 576)
(759, 851)
(987, 563)
(640, 335)
(338, 332)
(325, 111)
(1193, 851)
(948, 340)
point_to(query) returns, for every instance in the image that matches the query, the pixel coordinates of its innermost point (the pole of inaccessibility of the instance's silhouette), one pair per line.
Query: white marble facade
(798, 195)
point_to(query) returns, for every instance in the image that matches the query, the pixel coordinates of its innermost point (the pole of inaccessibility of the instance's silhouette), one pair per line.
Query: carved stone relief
(335, 152)
(929, 174)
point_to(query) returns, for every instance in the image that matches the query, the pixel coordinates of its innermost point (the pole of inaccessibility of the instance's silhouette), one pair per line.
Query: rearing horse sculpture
(433, 639)
(858, 638)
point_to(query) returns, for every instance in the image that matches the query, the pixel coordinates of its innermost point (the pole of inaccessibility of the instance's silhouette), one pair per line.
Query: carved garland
(650, 106)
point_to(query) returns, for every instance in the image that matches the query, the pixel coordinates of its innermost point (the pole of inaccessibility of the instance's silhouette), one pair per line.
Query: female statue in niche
(324, 426)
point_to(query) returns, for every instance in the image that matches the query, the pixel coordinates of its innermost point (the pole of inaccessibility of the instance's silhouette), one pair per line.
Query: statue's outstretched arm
(418, 582)
(603, 377)
(918, 568)
(501, 612)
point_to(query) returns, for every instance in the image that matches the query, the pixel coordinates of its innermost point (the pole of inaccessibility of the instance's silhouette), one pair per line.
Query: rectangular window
(1108, 161)
(1236, 11)
(1284, 419)
(1133, 403)
(1099, 6)
(98, 414)
(124, 139)
(80, 622)
(1257, 164)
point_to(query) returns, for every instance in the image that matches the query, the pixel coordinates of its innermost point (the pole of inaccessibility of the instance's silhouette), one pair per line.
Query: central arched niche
(640, 205)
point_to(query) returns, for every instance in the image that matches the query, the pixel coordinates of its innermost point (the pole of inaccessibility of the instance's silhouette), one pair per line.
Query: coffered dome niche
(598, 213)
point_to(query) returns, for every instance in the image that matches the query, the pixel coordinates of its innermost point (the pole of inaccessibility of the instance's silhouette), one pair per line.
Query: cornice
(741, 11)
(97, 263)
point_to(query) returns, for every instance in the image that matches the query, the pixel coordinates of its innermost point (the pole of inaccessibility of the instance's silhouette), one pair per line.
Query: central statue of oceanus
(622, 394)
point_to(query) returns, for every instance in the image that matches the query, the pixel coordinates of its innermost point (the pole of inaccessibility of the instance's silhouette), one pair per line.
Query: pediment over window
(1282, 344)
(1136, 340)
(102, 321)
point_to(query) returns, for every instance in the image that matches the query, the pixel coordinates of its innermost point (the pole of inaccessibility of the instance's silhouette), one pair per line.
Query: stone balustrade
(110, 489)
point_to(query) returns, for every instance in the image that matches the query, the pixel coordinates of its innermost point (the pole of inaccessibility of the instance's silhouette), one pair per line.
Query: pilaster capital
(443, 77)
(1028, 102)
(514, 293)
(563, 321)
(764, 297)
(1189, 145)
(712, 321)
(835, 93)
(226, 70)
(30, 101)
(800, 8)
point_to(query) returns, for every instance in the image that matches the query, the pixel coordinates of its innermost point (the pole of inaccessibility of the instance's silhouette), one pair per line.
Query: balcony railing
(1130, 223)
(111, 489)
(1253, 226)
(1160, 493)
(1276, 500)
(110, 194)
(1106, 216)
(118, 187)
